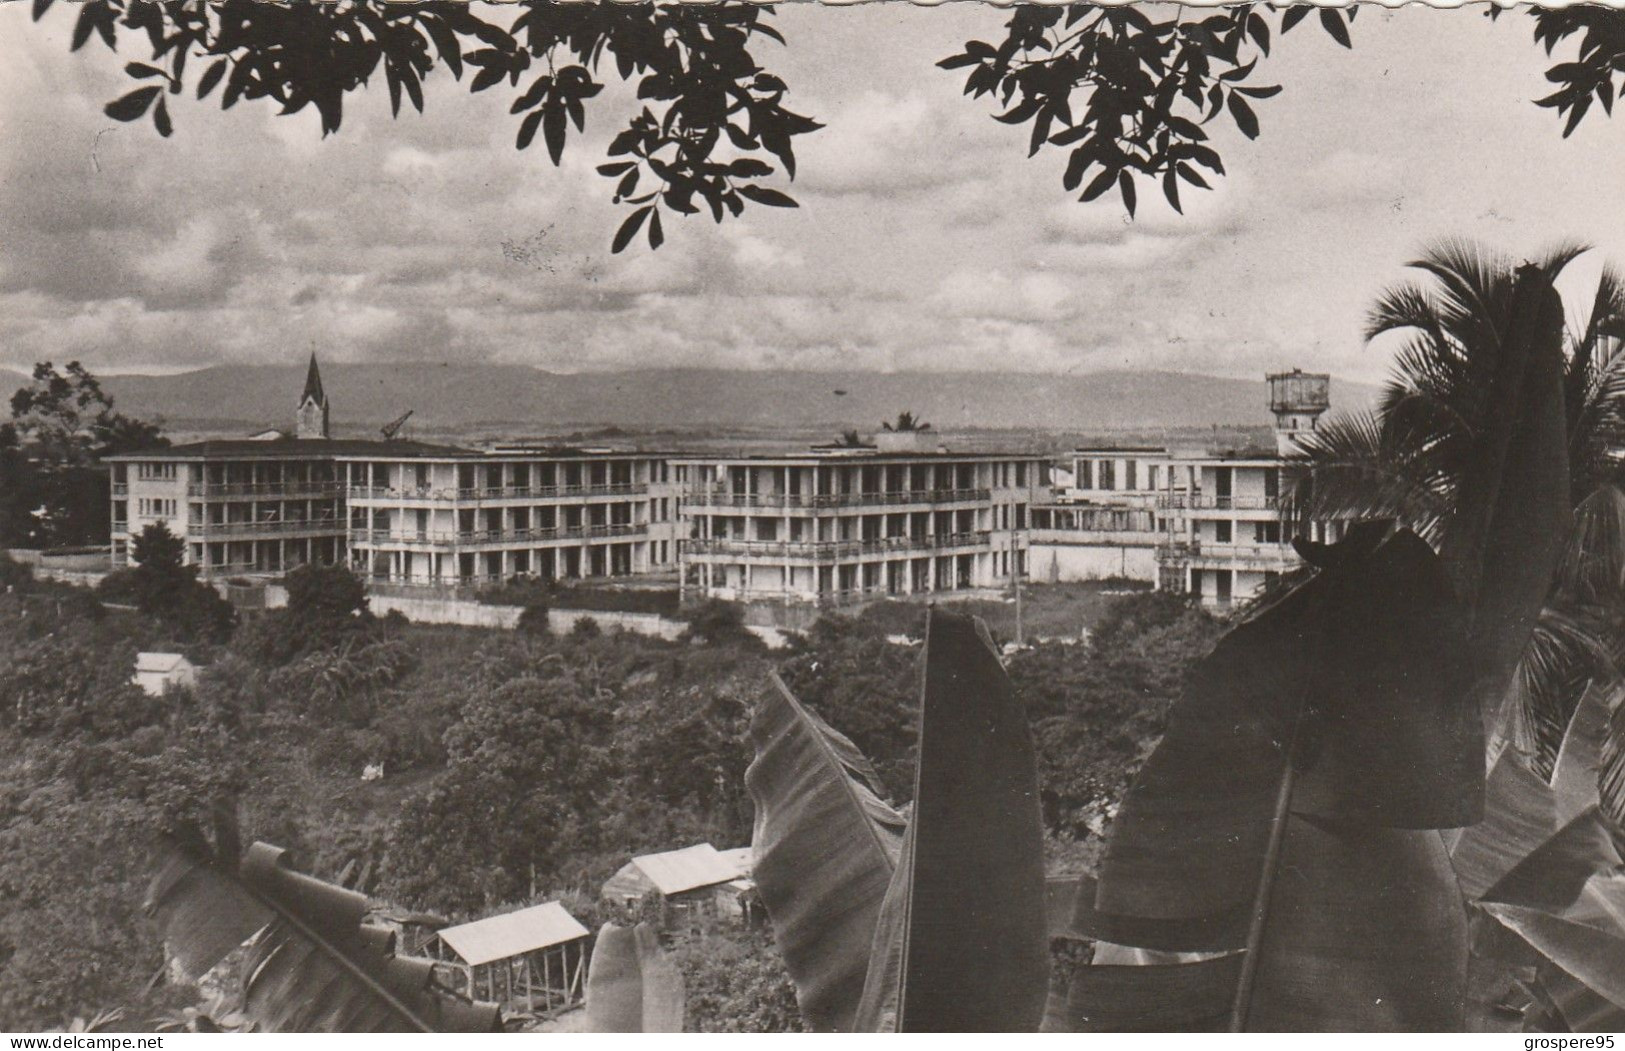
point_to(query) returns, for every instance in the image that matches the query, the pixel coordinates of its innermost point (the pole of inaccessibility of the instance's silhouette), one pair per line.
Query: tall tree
(1417, 456)
(52, 492)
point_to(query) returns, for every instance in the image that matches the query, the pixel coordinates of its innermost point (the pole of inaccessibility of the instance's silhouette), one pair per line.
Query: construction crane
(390, 429)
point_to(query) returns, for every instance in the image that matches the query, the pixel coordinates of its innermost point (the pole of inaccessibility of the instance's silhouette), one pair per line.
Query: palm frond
(1404, 306)
(1355, 471)
(1569, 648)
(1592, 567)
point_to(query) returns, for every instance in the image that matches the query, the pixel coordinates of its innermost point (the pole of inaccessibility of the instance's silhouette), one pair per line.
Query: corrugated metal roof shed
(159, 662)
(512, 933)
(742, 858)
(675, 871)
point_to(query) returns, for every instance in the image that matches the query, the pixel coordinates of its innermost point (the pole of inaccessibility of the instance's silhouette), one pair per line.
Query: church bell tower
(312, 414)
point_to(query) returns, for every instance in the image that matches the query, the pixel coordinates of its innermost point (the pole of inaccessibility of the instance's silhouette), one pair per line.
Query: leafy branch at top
(1149, 87)
(1590, 77)
(693, 67)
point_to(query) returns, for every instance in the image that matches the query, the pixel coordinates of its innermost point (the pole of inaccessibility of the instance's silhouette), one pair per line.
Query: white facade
(839, 526)
(159, 673)
(241, 507)
(481, 518)
(1202, 521)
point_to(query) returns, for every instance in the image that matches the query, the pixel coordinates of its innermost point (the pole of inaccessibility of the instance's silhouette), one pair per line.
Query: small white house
(158, 673)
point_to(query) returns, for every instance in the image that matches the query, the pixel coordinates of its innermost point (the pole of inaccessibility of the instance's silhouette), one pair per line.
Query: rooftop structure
(1298, 399)
(312, 413)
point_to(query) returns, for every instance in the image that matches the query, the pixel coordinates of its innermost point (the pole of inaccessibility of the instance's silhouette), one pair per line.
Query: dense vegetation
(518, 765)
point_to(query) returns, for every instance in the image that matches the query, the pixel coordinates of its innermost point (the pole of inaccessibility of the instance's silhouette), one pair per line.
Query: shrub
(533, 620)
(718, 623)
(14, 575)
(585, 628)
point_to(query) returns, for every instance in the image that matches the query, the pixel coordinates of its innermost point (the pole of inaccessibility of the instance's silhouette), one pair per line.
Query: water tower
(1298, 399)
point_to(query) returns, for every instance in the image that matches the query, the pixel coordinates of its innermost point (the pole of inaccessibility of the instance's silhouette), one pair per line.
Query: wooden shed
(681, 886)
(535, 957)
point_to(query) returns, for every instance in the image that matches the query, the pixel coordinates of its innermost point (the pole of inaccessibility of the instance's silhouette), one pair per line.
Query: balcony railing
(452, 587)
(823, 500)
(447, 538)
(1209, 502)
(475, 494)
(834, 548)
(1272, 556)
(121, 488)
(277, 528)
(247, 490)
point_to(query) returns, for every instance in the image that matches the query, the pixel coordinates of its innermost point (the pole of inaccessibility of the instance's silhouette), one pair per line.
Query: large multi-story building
(461, 518)
(1204, 521)
(243, 506)
(400, 512)
(839, 525)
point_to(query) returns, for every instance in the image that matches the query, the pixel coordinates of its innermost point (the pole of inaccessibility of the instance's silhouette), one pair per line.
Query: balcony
(444, 539)
(265, 490)
(811, 501)
(480, 494)
(121, 489)
(281, 527)
(1209, 502)
(1268, 557)
(416, 587)
(834, 549)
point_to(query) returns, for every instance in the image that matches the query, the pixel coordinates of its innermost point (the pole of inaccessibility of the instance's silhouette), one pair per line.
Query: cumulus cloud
(926, 237)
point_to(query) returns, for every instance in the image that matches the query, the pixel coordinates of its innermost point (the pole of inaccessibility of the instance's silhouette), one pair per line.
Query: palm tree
(851, 440)
(907, 421)
(1418, 458)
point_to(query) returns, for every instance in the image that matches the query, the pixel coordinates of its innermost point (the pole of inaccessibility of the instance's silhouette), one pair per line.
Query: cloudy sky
(925, 237)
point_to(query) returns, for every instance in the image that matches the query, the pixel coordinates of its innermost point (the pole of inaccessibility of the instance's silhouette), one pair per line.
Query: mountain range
(454, 397)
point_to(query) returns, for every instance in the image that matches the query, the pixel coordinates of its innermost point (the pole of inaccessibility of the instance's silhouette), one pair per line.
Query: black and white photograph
(717, 517)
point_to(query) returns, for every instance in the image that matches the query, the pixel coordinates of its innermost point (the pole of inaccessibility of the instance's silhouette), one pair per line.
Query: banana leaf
(1391, 737)
(1365, 933)
(1081, 921)
(961, 944)
(1190, 833)
(1520, 813)
(1566, 902)
(1357, 674)
(1575, 785)
(633, 986)
(1513, 509)
(826, 844)
(1155, 998)
(313, 966)
(1593, 958)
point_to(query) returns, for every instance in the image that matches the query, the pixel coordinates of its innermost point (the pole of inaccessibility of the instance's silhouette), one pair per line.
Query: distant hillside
(450, 397)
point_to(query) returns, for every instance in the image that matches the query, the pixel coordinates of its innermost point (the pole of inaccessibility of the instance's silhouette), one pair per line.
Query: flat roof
(365, 449)
(292, 449)
(512, 933)
(848, 454)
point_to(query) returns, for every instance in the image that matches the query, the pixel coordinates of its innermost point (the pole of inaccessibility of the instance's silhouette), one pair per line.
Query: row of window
(155, 507)
(1263, 532)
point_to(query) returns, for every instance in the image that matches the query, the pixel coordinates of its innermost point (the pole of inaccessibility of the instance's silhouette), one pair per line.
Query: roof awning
(512, 933)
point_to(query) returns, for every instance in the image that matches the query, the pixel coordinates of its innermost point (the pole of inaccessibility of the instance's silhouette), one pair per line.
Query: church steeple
(312, 414)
